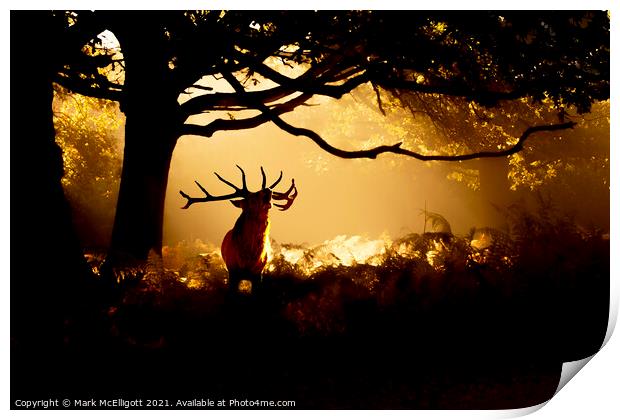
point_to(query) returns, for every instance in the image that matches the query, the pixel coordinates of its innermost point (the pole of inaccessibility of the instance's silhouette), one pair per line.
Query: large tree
(48, 270)
(485, 58)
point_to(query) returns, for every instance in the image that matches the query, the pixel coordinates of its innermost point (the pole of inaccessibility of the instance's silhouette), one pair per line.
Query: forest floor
(429, 321)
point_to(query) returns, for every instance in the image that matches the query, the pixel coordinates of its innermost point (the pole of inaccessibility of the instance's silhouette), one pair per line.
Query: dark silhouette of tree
(49, 274)
(486, 58)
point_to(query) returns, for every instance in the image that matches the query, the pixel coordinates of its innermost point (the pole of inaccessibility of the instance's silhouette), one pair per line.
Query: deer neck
(252, 226)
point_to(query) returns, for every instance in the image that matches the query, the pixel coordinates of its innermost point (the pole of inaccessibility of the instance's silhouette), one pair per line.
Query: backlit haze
(336, 196)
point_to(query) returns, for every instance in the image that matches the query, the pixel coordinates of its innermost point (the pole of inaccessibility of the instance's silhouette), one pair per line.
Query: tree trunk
(151, 132)
(138, 225)
(48, 268)
(495, 193)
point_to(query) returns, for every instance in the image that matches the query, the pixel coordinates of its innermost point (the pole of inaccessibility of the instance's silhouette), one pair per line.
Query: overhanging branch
(398, 150)
(243, 123)
(230, 101)
(317, 86)
(90, 88)
(395, 148)
(287, 86)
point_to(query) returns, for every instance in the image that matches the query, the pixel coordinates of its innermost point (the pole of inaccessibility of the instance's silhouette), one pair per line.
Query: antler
(242, 192)
(285, 195)
(262, 171)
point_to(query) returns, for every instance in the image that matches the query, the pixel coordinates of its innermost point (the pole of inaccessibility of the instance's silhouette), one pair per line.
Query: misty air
(331, 209)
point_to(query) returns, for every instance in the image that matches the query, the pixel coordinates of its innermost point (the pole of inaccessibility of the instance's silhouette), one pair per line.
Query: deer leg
(234, 278)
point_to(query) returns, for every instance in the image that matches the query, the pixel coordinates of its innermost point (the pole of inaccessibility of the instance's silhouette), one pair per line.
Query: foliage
(475, 60)
(314, 288)
(436, 125)
(89, 131)
(584, 157)
(423, 312)
(481, 57)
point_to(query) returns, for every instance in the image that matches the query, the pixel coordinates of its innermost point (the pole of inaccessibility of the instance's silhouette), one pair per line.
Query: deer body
(244, 248)
(245, 256)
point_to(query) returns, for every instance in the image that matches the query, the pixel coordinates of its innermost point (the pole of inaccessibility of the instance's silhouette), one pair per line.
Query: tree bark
(151, 131)
(138, 224)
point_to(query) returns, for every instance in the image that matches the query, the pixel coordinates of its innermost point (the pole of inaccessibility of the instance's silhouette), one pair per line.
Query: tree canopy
(482, 57)
(178, 73)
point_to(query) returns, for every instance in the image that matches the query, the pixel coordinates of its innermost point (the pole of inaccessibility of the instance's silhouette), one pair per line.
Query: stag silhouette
(244, 248)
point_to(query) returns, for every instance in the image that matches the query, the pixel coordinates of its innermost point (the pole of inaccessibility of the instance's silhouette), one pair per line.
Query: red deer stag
(244, 247)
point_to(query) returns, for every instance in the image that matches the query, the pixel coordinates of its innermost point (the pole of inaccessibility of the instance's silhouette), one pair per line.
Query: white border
(593, 394)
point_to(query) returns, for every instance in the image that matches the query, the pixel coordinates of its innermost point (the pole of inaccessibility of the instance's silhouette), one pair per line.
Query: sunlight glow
(341, 251)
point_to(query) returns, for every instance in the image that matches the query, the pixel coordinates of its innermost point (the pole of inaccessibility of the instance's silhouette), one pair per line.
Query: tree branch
(305, 83)
(244, 123)
(86, 88)
(378, 94)
(199, 87)
(230, 101)
(484, 97)
(395, 148)
(287, 86)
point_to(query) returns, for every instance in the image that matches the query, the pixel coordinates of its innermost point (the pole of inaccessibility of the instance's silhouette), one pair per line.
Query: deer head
(244, 247)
